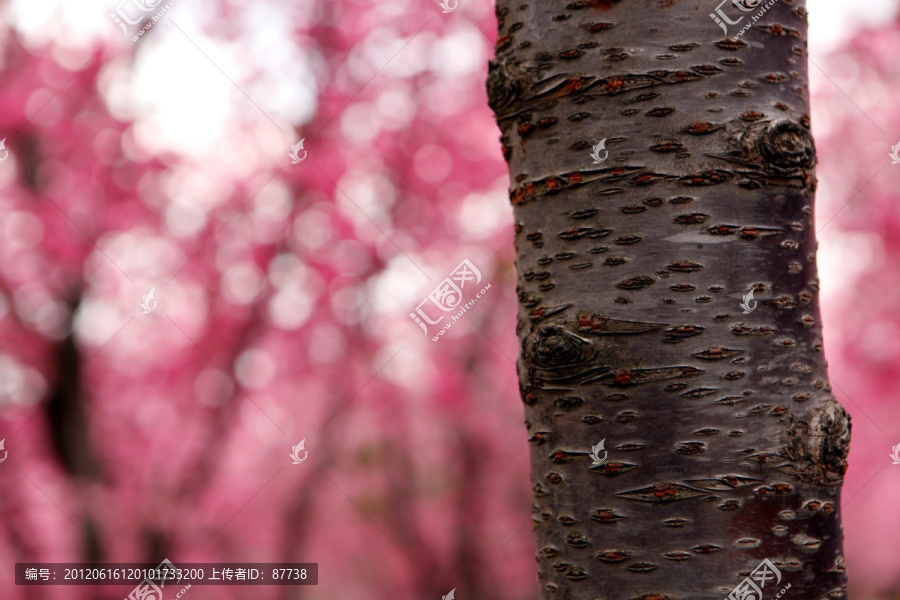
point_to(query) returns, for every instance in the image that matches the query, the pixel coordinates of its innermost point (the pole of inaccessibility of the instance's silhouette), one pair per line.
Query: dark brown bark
(726, 445)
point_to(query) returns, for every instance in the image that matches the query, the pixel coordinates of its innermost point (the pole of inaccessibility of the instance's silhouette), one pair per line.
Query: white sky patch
(399, 287)
(180, 100)
(461, 52)
(843, 256)
(187, 106)
(483, 214)
(832, 22)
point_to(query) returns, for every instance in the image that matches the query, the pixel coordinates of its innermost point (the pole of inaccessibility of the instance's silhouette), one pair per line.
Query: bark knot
(818, 444)
(505, 84)
(788, 146)
(552, 347)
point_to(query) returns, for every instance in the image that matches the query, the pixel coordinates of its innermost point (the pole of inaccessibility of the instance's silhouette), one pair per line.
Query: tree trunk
(725, 444)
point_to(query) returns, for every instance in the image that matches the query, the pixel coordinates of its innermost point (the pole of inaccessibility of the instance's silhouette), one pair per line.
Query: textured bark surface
(726, 445)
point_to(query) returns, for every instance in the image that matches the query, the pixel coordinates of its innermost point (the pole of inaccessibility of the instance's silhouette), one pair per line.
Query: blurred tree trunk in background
(725, 445)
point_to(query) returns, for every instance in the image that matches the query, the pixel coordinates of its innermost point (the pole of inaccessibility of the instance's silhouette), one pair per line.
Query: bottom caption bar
(151, 579)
